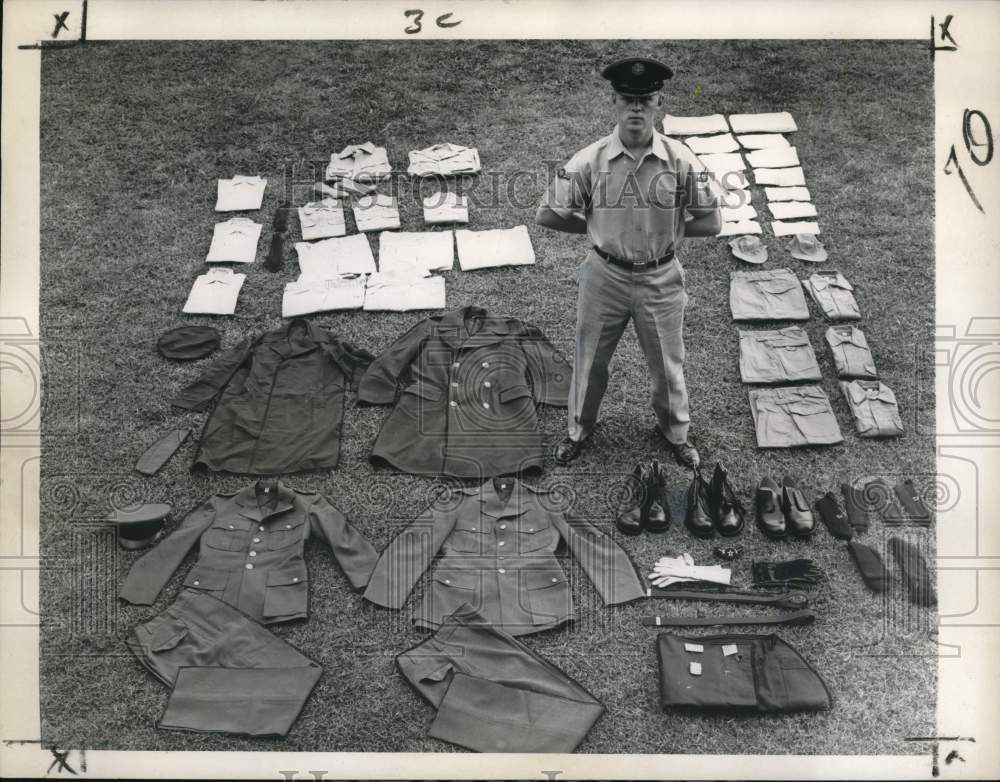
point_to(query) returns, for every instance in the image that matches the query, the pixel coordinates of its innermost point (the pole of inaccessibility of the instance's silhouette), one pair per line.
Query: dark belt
(794, 618)
(634, 266)
(796, 600)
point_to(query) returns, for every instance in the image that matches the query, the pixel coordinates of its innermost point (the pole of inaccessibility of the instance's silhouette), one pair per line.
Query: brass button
(454, 385)
(501, 543)
(531, 529)
(456, 365)
(296, 580)
(256, 540)
(231, 527)
(503, 526)
(487, 384)
(253, 553)
(197, 583)
(501, 570)
(486, 404)
(554, 580)
(447, 581)
(486, 365)
(288, 526)
(260, 528)
(453, 403)
(249, 566)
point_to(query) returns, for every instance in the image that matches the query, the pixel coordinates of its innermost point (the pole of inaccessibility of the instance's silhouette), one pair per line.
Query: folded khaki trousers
(229, 674)
(493, 694)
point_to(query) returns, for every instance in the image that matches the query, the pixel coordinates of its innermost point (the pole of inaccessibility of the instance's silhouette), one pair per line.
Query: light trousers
(609, 297)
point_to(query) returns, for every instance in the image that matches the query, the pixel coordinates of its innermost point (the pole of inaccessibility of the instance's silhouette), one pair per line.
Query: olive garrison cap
(637, 75)
(186, 343)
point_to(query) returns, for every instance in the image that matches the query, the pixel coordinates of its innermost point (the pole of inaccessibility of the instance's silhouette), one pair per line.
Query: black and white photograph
(438, 391)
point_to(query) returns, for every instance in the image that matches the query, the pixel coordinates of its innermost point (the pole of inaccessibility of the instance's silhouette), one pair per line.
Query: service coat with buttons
(467, 384)
(250, 551)
(497, 544)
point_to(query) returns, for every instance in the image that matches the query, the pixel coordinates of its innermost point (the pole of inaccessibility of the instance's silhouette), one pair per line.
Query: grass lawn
(134, 137)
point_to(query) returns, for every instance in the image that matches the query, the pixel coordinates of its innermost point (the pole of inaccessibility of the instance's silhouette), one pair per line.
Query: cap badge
(638, 69)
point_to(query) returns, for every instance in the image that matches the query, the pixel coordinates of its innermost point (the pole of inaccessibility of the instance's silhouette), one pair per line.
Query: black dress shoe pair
(783, 510)
(713, 507)
(645, 507)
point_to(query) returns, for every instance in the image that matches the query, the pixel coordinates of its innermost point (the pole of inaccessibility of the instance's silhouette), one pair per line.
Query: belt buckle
(640, 265)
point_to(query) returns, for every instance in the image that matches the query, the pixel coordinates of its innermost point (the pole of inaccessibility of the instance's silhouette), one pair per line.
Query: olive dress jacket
(466, 386)
(251, 546)
(280, 402)
(497, 544)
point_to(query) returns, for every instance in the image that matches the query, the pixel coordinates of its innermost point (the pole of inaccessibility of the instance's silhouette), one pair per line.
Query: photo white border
(967, 273)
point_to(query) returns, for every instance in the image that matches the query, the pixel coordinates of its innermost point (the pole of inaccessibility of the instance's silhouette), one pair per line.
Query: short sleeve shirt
(634, 206)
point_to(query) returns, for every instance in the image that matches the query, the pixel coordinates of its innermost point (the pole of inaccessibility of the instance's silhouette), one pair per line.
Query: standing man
(636, 194)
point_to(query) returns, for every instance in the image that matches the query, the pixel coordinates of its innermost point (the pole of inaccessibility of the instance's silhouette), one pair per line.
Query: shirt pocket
(167, 635)
(285, 534)
(468, 537)
(207, 579)
(548, 596)
(227, 535)
(287, 590)
(813, 419)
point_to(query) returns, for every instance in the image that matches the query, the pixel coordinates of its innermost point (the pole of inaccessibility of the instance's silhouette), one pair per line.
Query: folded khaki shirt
(234, 241)
(322, 219)
(772, 294)
(328, 258)
(694, 126)
(446, 207)
(793, 416)
(736, 213)
(851, 353)
(782, 228)
(790, 210)
(444, 160)
(775, 122)
(780, 157)
(707, 145)
(779, 176)
(763, 141)
(873, 404)
(723, 162)
(781, 356)
(498, 247)
(215, 292)
(834, 295)
(359, 163)
(740, 228)
(314, 294)
(404, 292)
(787, 194)
(731, 199)
(410, 252)
(376, 212)
(239, 194)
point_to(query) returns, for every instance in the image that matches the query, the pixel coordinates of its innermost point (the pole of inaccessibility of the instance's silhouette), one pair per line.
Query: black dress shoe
(799, 517)
(658, 516)
(685, 454)
(770, 518)
(727, 510)
(698, 516)
(634, 514)
(568, 450)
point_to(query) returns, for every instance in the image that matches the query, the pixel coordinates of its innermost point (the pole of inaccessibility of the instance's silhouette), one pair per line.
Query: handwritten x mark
(60, 23)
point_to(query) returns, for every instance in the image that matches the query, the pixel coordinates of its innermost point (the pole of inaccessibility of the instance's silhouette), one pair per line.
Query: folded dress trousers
(280, 401)
(446, 207)
(411, 252)
(497, 544)
(466, 385)
(227, 673)
(338, 255)
(493, 694)
(250, 551)
(765, 122)
(850, 352)
(782, 356)
(834, 295)
(793, 416)
(773, 294)
(874, 407)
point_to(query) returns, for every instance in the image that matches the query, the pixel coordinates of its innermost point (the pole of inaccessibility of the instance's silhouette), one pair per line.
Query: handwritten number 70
(978, 145)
